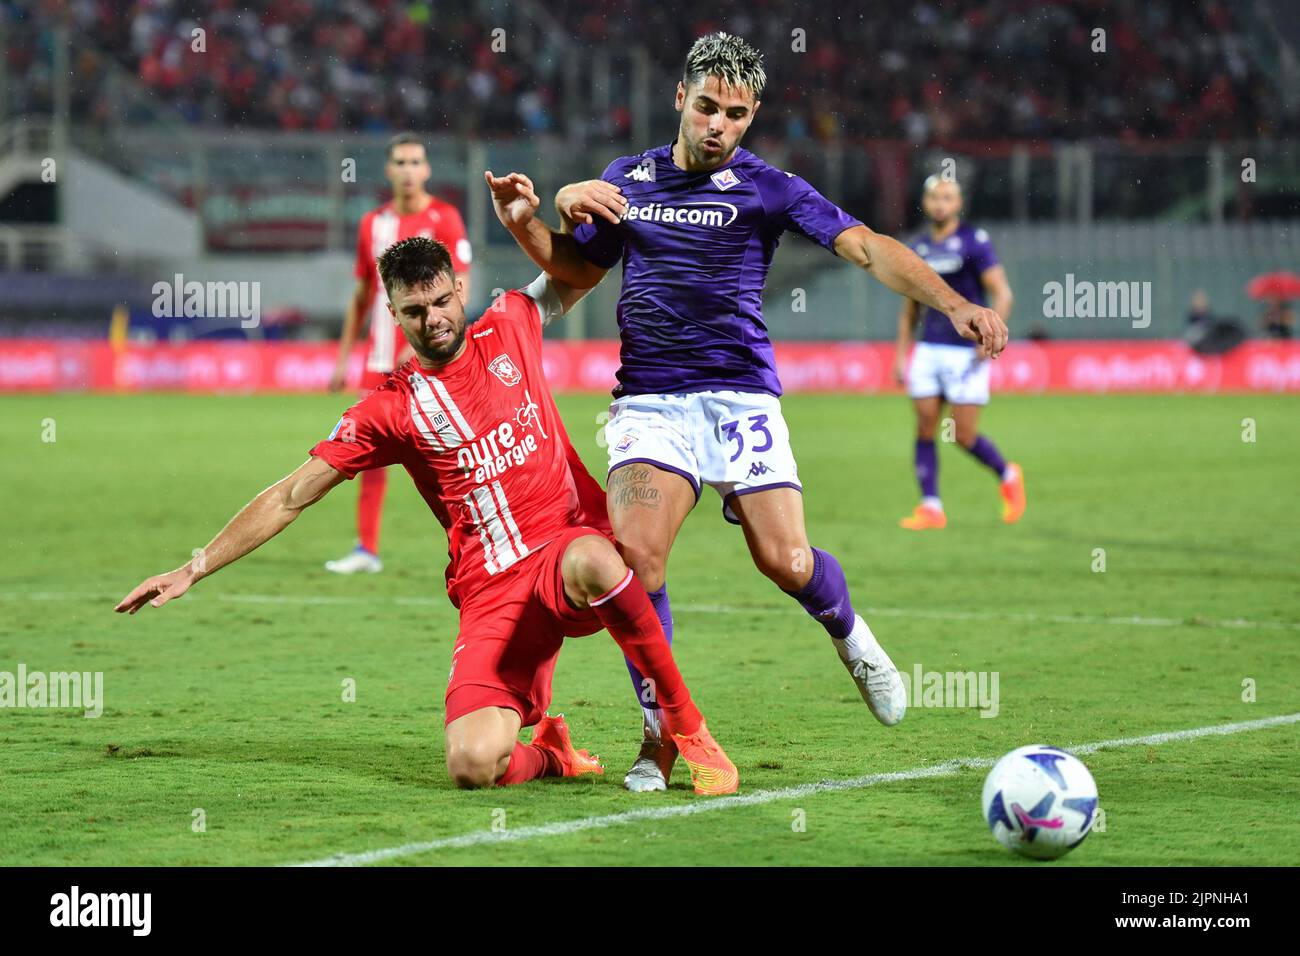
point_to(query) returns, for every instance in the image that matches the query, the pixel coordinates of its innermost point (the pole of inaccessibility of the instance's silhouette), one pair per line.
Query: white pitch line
(1123, 620)
(945, 769)
(941, 614)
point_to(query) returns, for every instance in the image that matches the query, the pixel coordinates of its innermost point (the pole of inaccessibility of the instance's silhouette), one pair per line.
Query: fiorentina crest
(504, 369)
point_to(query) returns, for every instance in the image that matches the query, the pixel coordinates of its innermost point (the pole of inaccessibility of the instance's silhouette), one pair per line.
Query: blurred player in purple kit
(944, 366)
(695, 224)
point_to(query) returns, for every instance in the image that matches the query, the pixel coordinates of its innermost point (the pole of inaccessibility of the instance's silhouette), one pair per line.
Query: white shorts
(951, 371)
(736, 442)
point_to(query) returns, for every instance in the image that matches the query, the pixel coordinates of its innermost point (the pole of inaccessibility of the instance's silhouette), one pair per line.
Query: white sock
(1009, 472)
(855, 645)
(930, 501)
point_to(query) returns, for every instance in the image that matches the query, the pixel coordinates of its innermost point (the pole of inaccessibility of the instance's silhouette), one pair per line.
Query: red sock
(370, 505)
(528, 763)
(629, 616)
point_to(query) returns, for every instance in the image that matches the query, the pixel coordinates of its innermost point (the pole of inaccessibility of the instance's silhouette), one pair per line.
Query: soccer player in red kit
(411, 212)
(472, 420)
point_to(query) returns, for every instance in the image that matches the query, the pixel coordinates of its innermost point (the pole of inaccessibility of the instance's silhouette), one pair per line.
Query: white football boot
(360, 561)
(654, 764)
(874, 673)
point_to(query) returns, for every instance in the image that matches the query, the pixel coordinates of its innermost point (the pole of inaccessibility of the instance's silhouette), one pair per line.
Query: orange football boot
(923, 517)
(552, 734)
(1013, 495)
(712, 771)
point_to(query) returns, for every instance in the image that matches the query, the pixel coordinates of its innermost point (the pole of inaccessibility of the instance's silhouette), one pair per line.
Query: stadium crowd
(919, 70)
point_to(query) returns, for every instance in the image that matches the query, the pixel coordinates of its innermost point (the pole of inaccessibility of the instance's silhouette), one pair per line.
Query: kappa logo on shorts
(624, 443)
(504, 369)
(758, 469)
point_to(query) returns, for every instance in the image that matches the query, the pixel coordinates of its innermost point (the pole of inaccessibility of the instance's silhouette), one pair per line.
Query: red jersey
(379, 229)
(483, 442)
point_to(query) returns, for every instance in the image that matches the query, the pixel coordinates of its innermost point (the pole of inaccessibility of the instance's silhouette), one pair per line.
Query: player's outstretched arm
(256, 523)
(516, 202)
(902, 270)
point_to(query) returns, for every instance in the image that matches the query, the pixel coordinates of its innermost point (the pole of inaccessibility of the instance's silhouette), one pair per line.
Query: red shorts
(510, 635)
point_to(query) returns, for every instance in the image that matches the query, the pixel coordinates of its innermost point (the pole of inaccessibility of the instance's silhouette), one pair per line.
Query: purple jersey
(696, 248)
(961, 259)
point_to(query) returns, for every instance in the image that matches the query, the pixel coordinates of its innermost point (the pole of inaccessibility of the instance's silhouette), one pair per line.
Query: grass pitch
(227, 706)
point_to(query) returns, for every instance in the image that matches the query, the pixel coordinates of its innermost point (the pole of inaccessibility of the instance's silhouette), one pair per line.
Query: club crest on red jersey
(504, 369)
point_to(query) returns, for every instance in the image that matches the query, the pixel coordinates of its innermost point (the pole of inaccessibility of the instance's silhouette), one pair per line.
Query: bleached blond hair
(727, 57)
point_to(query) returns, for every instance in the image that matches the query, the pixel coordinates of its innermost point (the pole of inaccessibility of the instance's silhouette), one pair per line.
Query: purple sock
(927, 468)
(664, 611)
(826, 595)
(987, 452)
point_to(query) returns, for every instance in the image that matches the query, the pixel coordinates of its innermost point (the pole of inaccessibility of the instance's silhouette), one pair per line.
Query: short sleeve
(982, 254)
(365, 265)
(543, 293)
(365, 437)
(451, 233)
(601, 242)
(806, 211)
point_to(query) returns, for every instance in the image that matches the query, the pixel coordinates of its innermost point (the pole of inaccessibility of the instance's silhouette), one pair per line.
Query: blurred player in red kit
(472, 420)
(411, 212)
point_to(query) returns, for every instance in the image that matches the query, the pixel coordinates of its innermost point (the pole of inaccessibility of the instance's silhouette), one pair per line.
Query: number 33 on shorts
(757, 423)
(736, 442)
(752, 446)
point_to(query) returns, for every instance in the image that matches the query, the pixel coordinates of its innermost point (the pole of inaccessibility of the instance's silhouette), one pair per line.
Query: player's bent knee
(787, 566)
(474, 766)
(593, 565)
(478, 747)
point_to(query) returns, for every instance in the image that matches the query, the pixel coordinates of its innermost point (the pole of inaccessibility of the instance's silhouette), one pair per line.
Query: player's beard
(440, 354)
(703, 158)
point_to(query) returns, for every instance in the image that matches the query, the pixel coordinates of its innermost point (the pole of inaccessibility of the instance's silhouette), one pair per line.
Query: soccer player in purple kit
(695, 224)
(946, 367)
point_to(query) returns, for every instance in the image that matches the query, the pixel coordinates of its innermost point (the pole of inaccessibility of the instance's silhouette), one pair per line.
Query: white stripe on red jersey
(449, 436)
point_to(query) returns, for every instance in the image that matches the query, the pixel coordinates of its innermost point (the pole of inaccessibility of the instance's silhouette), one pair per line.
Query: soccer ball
(1040, 801)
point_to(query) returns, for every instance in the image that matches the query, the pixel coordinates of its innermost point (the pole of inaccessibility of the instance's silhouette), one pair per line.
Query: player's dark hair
(414, 262)
(404, 139)
(728, 57)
